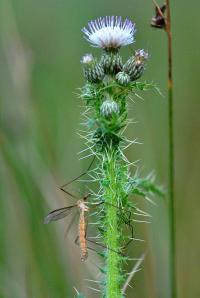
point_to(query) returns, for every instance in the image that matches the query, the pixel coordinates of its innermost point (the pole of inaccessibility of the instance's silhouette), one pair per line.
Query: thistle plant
(109, 84)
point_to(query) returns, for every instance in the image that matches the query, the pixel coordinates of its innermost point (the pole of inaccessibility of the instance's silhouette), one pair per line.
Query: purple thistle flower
(110, 32)
(141, 55)
(87, 59)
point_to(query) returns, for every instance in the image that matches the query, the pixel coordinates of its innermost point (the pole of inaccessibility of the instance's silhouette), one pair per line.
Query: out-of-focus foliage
(40, 48)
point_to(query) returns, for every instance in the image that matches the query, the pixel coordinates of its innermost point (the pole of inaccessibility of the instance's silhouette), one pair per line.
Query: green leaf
(145, 186)
(144, 86)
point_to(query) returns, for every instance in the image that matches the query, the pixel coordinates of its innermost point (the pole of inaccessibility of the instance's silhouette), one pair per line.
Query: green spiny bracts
(111, 62)
(106, 95)
(123, 78)
(135, 65)
(93, 71)
(108, 108)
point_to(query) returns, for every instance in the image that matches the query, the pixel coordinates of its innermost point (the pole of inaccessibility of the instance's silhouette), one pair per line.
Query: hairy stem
(113, 232)
(171, 158)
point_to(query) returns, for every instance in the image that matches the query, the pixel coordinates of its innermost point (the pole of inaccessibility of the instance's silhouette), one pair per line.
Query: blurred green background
(40, 48)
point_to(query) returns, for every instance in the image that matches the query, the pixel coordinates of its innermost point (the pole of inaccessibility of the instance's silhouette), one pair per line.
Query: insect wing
(58, 214)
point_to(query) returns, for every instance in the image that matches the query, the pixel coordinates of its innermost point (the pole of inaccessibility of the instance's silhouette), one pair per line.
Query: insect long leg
(76, 241)
(98, 244)
(109, 248)
(74, 179)
(70, 224)
(69, 193)
(132, 236)
(126, 220)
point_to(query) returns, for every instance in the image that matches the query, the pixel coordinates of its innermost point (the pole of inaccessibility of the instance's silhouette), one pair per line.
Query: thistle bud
(93, 71)
(159, 21)
(135, 65)
(111, 62)
(109, 107)
(123, 78)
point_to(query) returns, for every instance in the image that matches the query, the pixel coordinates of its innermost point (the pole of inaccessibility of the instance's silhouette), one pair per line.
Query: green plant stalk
(113, 229)
(171, 200)
(171, 159)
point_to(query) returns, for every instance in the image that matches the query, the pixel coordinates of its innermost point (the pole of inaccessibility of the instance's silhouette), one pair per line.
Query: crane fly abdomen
(82, 237)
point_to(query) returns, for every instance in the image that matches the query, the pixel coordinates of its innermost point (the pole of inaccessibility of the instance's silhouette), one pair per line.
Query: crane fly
(82, 226)
(82, 206)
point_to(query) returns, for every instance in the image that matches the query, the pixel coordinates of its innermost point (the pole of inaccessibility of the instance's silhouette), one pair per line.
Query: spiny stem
(113, 230)
(171, 158)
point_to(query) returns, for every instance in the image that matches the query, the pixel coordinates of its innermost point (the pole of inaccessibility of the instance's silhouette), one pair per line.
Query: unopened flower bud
(111, 62)
(135, 65)
(93, 71)
(109, 107)
(123, 78)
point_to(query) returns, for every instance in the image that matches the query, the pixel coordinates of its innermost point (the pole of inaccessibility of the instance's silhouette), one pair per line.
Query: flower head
(141, 56)
(87, 59)
(92, 70)
(135, 65)
(123, 78)
(109, 107)
(110, 32)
